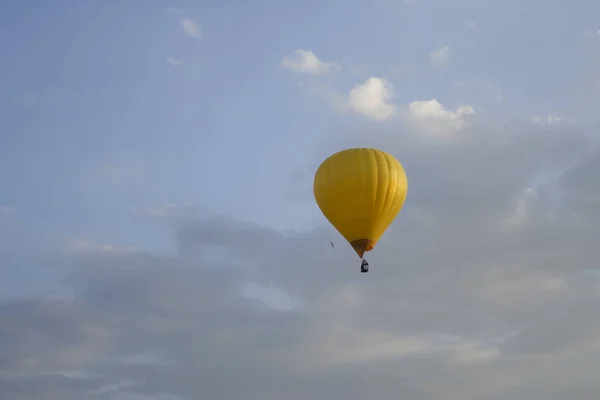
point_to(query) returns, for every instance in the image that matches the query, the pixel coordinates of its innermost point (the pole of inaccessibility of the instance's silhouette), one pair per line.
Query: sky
(159, 239)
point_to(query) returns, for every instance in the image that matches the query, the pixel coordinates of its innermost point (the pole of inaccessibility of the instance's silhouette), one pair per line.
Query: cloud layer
(129, 269)
(485, 287)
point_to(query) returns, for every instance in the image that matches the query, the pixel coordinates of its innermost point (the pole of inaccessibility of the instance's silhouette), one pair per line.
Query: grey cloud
(580, 188)
(478, 291)
(244, 238)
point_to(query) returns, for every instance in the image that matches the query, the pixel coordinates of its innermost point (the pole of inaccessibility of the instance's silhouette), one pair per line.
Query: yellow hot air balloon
(361, 191)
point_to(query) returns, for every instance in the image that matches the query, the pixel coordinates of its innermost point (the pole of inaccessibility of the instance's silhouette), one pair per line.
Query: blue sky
(125, 126)
(97, 119)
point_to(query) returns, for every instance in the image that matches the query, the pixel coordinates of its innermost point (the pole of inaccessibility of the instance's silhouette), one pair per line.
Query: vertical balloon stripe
(360, 191)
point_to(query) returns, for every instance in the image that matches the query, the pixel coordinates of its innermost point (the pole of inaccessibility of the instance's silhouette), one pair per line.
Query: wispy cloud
(441, 57)
(173, 61)
(191, 28)
(548, 119)
(307, 62)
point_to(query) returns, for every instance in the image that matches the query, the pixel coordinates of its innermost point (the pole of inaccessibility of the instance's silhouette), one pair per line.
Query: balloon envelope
(360, 191)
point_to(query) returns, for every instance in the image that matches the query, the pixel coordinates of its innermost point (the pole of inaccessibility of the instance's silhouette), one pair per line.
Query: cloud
(549, 119)
(440, 58)
(307, 62)
(173, 61)
(580, 189)
(433, 109)
(482, 288)
(191, 28)
(372, 99)
(433, 116)
(472, 24)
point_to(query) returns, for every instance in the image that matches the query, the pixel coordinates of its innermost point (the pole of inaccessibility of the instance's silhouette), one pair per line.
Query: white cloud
(432, 114)
(372, 99)
(191, 28)
(592, 33)
(307, 62)
(472, 24)
(441, 57)
(173, 61)
(410, 2)
(548, 120)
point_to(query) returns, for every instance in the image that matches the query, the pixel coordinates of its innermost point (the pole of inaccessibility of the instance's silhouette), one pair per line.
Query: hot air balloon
(360, 191)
